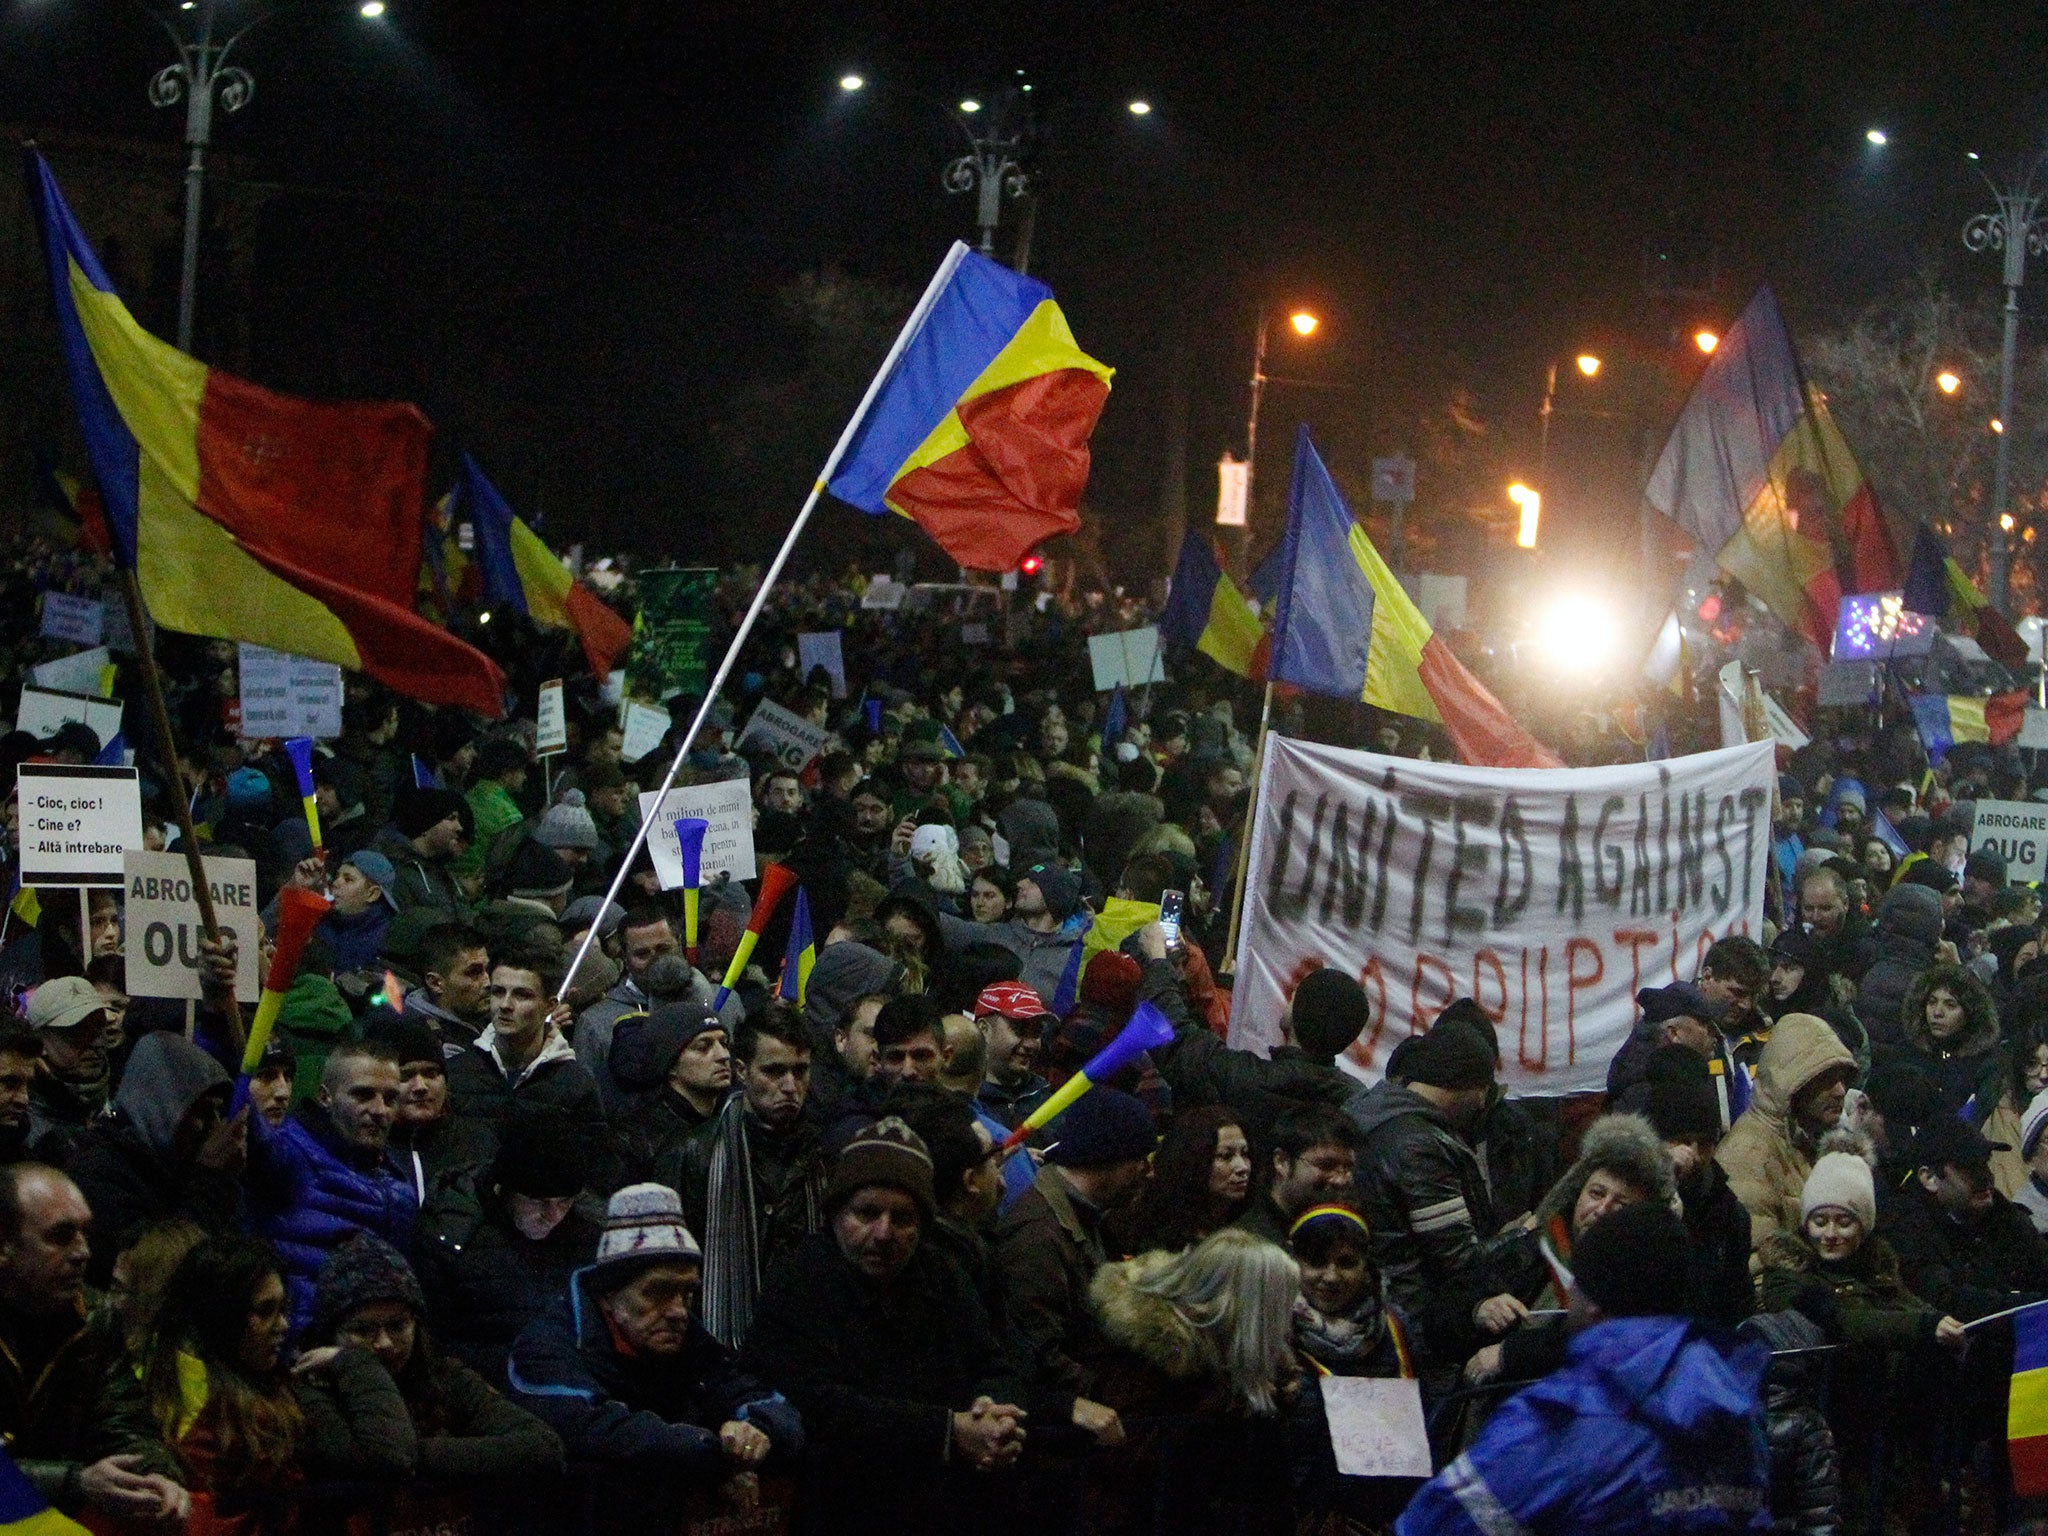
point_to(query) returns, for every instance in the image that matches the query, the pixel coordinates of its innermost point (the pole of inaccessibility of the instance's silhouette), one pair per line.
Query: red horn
(299, 913)
(776, 879)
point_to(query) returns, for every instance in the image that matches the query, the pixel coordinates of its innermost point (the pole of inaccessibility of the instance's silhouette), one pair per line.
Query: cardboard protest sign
(1551, 896)
(285, 695)
(87, 672)
(77, 823)
(44, 710)
(643, 727)
(2018, 829)
(822, 648)
(163, 927)
(792, 738)
(1129, 657)
(551, 722)
(1376, 1426)
(81, 620)
(728, 809)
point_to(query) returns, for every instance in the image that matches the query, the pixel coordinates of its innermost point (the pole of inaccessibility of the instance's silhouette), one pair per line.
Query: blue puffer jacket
(1655, 1425)
(309, 1192)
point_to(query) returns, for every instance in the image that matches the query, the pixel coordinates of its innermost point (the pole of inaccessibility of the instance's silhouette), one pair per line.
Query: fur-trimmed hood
(1622, 1144)
(1149, 1327)
(1980, 1016)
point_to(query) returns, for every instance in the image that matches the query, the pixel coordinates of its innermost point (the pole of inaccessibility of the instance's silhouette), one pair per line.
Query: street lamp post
(992, 169)
(1589, 366)
(2014, 231)
(1304, 325)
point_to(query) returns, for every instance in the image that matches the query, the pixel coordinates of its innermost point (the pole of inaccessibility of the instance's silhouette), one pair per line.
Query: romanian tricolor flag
(1205, 611)
(977, 427)
(1945, 720)
(248, 515)
(1757, 475)
(2026, 1413)
(25, 1512)
(521, 572)
(800, 954)
(1939, 587)
(1344, 627)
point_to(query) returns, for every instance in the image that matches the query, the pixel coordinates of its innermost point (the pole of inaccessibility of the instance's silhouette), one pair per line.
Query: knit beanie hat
(1790, 788)
(539, 1155)
(1849, 792)
(643, 1225)
(1059, 885)
(1110, 982)
(248, 791)
(1986, 864)
(1633, 1263)
(593, 912)
(888, 1152)
(1682, 1104)
(413, 1039)
(567, 825)
(416, 809)
(1104, 1127)
(1841, 1180)
(1453, 1054)
(537, 871)
(1330, 1011)
(643, 1058)
(363, 1270)
(2031, 1123)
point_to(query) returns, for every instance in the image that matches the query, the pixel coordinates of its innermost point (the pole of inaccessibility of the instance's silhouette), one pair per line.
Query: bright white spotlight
(1877, 138)
(1578, 634)
(970, 105)
(372, 9)
(1140, 108)
(851, 82)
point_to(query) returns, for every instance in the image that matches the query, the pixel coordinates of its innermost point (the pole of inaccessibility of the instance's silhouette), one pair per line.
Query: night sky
(562, 229)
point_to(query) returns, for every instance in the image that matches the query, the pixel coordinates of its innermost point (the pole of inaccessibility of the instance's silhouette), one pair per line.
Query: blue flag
(1322, 630)
(801, 954)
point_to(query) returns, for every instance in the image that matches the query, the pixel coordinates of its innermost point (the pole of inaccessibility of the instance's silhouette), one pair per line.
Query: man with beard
(1802, 1079)
(455, 984)
(682, 1049)
(70, 1019)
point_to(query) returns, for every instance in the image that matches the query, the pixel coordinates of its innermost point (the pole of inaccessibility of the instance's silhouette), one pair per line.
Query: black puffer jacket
(1806, 1472)
(1907, 929)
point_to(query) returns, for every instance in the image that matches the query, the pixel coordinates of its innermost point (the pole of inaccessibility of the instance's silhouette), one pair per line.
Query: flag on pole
(1945, 720)
(1116, 718)
(800, 955)
(248, 515)
(25, 1512)
(1757, 475)
(1939, 587)
(520, 571)
(1206, 612)
(1346, 628)
(2026, 1413)
(979, 432)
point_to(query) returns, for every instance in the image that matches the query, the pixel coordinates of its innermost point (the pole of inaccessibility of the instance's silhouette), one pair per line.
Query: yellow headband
(1315, 1211)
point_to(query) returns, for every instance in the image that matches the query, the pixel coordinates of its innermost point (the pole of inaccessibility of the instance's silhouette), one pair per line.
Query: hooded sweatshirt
(1765, 1156)
(1908, 927)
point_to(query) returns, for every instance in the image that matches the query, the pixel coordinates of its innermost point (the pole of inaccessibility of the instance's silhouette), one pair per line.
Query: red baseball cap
(1012, 999)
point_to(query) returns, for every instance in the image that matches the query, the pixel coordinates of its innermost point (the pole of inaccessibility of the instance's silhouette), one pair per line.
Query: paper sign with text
(1376, 1426)
(821, 648)
(44, 710)
(285, 695)
(84, 672)
(2018, 829)
(163, 928)
(551, 723)
(1549, 895)
(82, 620)
(728, 810)
(1130, 657)
(77, 823)
(792, 738)
(643, 726)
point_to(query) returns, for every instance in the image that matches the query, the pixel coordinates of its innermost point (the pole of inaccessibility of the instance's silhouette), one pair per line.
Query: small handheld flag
(2026, 1414)
(300, 750)
(299, 913)
(1148, 1030)
(801, 954)
(776, 879)
(690, 832)
(25, 1511)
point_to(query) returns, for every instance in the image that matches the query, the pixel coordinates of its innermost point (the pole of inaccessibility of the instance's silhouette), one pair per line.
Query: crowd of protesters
(485, 1245)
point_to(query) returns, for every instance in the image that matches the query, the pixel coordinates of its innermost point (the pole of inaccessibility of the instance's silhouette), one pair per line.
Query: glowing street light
(1706, 341)
(2005, 522)
(1589, 365)
(1303, 322)
(970, 105)
(372, 9)
(1579, 634)
(1531, 503)
(1947, 381)
(1140, 108)
(850, 83)
(1877, 138)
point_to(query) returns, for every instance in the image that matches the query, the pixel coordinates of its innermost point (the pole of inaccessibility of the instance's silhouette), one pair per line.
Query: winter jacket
(495, 813)
(1908, 927)
(2001, 1127)
(1806, 1471)
(1733, 1088)
(125, 1166)
(878, 1370)
(357, 941)
(644, 1427)
(1969, 1069)
(1201, 1069)
(1764, 1154)
(786, 1169)
(357, 1424)
(1195, 1459)
(1860, 1301)
(1654, 1426)
(1717, 1227)
(1432, 1216)
(480, 1086)
(598, 1030)
(309, 1192)
(1049, 1245)
(313, 1021)
(1967, 1269)
(421, 882)
(654, 1131)
(485, 1280)
(68, 1398)
(58, 1115)
(1043, 957)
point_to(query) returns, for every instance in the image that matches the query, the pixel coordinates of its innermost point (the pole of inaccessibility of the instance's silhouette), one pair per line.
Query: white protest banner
(884, 595)
(1549, 895)
(82, 620)
(643, 726)
(822, 648)
(285, 695)
(2018, 829)
(728, 809)
(792, 738)
(163, 927)
(550, 722)
(44, 710)
(2033, 729)
(1376, 1426)
(82, 672)
(76, 823)
(1130, 657)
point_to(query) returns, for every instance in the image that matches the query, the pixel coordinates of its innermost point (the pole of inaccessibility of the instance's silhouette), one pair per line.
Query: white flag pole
(904, 337)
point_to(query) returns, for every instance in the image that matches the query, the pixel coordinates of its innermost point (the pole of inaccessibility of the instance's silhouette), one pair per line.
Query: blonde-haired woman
(1201, 1353)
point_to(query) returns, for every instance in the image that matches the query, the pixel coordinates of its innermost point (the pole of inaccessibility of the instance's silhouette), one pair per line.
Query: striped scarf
(732, 1236)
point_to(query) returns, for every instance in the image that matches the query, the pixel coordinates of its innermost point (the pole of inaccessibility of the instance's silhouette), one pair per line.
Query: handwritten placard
(1376, 1426)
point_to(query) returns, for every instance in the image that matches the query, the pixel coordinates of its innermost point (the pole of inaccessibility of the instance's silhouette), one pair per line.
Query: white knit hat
(2031, 1124)
(1841, 1180)
(642, 1223)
